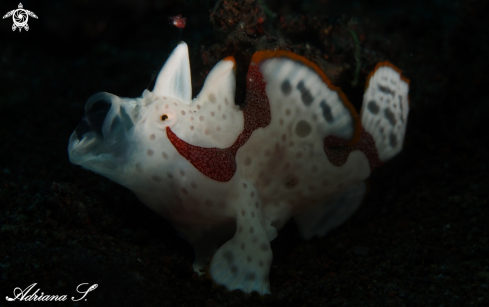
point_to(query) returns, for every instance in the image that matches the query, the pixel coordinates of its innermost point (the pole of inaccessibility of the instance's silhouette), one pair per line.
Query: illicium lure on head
(229, 177)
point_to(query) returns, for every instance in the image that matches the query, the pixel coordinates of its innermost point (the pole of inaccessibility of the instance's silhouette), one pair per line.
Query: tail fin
(385, 109)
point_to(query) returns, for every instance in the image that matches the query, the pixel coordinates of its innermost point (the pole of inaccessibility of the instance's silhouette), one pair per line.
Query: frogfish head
(114, 133)
(124, 139)
(114, 129)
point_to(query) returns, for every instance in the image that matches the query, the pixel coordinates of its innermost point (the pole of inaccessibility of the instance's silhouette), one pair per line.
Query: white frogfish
(228, 176)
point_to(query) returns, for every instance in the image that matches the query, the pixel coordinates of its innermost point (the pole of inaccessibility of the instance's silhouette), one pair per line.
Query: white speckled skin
(282, 169)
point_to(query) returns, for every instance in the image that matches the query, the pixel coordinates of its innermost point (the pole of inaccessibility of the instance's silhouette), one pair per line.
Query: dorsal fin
(297, 81)
(174, 78)
(220, 82)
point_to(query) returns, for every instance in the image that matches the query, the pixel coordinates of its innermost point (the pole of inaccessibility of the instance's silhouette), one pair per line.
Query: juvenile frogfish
(228, 176)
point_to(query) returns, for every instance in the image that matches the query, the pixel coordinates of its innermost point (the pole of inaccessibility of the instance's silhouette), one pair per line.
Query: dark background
(420, 239)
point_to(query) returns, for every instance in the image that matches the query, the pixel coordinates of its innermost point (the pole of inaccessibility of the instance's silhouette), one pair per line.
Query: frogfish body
(228, 177)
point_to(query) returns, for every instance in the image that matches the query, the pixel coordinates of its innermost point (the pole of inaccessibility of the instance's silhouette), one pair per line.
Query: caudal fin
(385, 109)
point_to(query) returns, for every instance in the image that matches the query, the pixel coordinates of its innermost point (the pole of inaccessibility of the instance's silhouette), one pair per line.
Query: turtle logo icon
(20, 17)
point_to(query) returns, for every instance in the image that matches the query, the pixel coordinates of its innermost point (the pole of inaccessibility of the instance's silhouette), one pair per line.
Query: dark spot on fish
(306, 96)
(386, 90)
(286, 87)
(303, 128)
(373, 107)
(300, 85)
(328, 116)
(212, 98)
(389, 115)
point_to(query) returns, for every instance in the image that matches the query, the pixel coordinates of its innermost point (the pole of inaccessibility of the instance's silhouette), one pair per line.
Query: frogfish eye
(164, 117)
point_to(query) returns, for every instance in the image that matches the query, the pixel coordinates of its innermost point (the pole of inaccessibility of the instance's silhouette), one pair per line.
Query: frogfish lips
(101, 138)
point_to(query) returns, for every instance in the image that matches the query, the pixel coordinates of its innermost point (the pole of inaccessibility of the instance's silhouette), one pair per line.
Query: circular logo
(20, 18)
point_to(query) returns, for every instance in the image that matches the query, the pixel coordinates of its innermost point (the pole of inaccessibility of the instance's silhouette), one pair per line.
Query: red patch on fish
(218, 163)
(337, 150)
